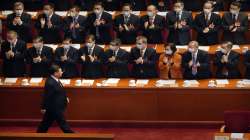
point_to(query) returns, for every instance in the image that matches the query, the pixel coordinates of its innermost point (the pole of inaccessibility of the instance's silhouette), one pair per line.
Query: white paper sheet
(222, 82)
(88, 82)
(61, 13)
(111, 12)
(136, 13)
(36, 80)
(53, 46)
(83, 13)
(10, 80)
(204, 48)
(181, 46)
(126, 48)
(65, 81)
(112, 81)
(236, 47)
(142, 82)
(7, 12)
(192, 82)
(237, 135)
(76, 46)
(32, 13)
(166, 82)
(102, 46)
(162, 14)
(221, 138)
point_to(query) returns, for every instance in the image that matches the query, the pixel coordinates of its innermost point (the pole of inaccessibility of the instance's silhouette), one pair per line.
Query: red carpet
(135, 133)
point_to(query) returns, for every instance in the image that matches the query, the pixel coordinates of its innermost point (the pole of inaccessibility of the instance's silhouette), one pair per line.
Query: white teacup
(78, 82)
(25, 82)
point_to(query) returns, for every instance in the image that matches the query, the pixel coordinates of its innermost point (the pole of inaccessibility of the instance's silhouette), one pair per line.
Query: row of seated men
(193, 64)
(127, 25)
(111, 5)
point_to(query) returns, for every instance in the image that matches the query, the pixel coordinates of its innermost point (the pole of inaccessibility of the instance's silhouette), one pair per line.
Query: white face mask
(233, 12)
(126, 13)
(168, 52)
(139, 46)
(72, 14)
(97, 12)
(150, 14)
(224, 51)
(113, 48)
(37, 45)
(18, 12)
(66, 46)
(207, 11)
(46, 12)
(191, 50)
(89, 45)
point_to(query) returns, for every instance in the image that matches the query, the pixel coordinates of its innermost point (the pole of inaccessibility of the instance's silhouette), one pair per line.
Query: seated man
(74, 25)
(195, 62)
(246, 57)
(179, 23)
(40, 57)
(143, 59)
(117, 60)
(20, 22)
(207, 25)
(152, 25)
(13, 52)
(126, 25)
(66, 57)
(226, 61)
(49, 24)
(91, 58)
(235, 24)
(99, 24)
(170, 63)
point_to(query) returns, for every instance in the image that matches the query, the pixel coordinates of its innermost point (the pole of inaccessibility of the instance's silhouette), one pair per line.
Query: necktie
(126, 20)
(97, 32)
(178, 17)
(234, 18)
(90, 51)
(38, 52)
(66, 51)
(11, 46)
(74, 29)
(207, 19)
(60, 83)
(142, 53)
(194, 68)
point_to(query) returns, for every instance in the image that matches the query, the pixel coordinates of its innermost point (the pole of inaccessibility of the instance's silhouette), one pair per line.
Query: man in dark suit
(13, 52)
(20, 22)
(66, 57)
(74, 25)
(246, 58)
(143, 59)
(54, 102)
(179, 23)
(91, 58)
(235, 24)
(227, 61)
(40, 57)
(117, 60)
(152, 25)
(126, 25)
(99, 24)
(49, 24)
(195, 62)
(207, 24)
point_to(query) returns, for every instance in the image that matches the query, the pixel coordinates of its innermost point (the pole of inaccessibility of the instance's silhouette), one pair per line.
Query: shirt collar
(55, 78)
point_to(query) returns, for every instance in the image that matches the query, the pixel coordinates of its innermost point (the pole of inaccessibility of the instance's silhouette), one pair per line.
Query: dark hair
(67, 39)
(18, 3)
(76, 7)
(127, 4)
(235, 3)
(92, 37)
(179, 1)
(51, 5)
(53, 69)
(229, 44)
(98, 4)
(38, 38)
(172, 47)
(116, 41)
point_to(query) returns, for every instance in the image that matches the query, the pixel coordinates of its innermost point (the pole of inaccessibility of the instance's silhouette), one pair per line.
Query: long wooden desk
(148, 104)
(227, 136)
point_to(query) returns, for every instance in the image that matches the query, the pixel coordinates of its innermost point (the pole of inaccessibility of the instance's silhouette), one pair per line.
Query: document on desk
(10, 80)
(222, 82)
(237, 135)
(88, 82)
(65, 81)
(36, 80)
(112, 81)
(142, 82)
(181, 46)
(204, 48)
(192, 82)
(166, 82)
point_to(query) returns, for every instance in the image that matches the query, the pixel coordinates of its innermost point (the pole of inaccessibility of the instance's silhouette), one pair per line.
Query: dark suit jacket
(54, 97)
(69, 66)
(246, 58)
(148, 68)
(231, 66)
(154, 35)
(50, 35)
(14, 67)
(127, 37)
(179, 36)
(40, 69)
(202, 72)
(118, 68)
(200, 24)
(92, 69)
(79, 32)
(104, 29)
(23, 30)
(237, 37)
